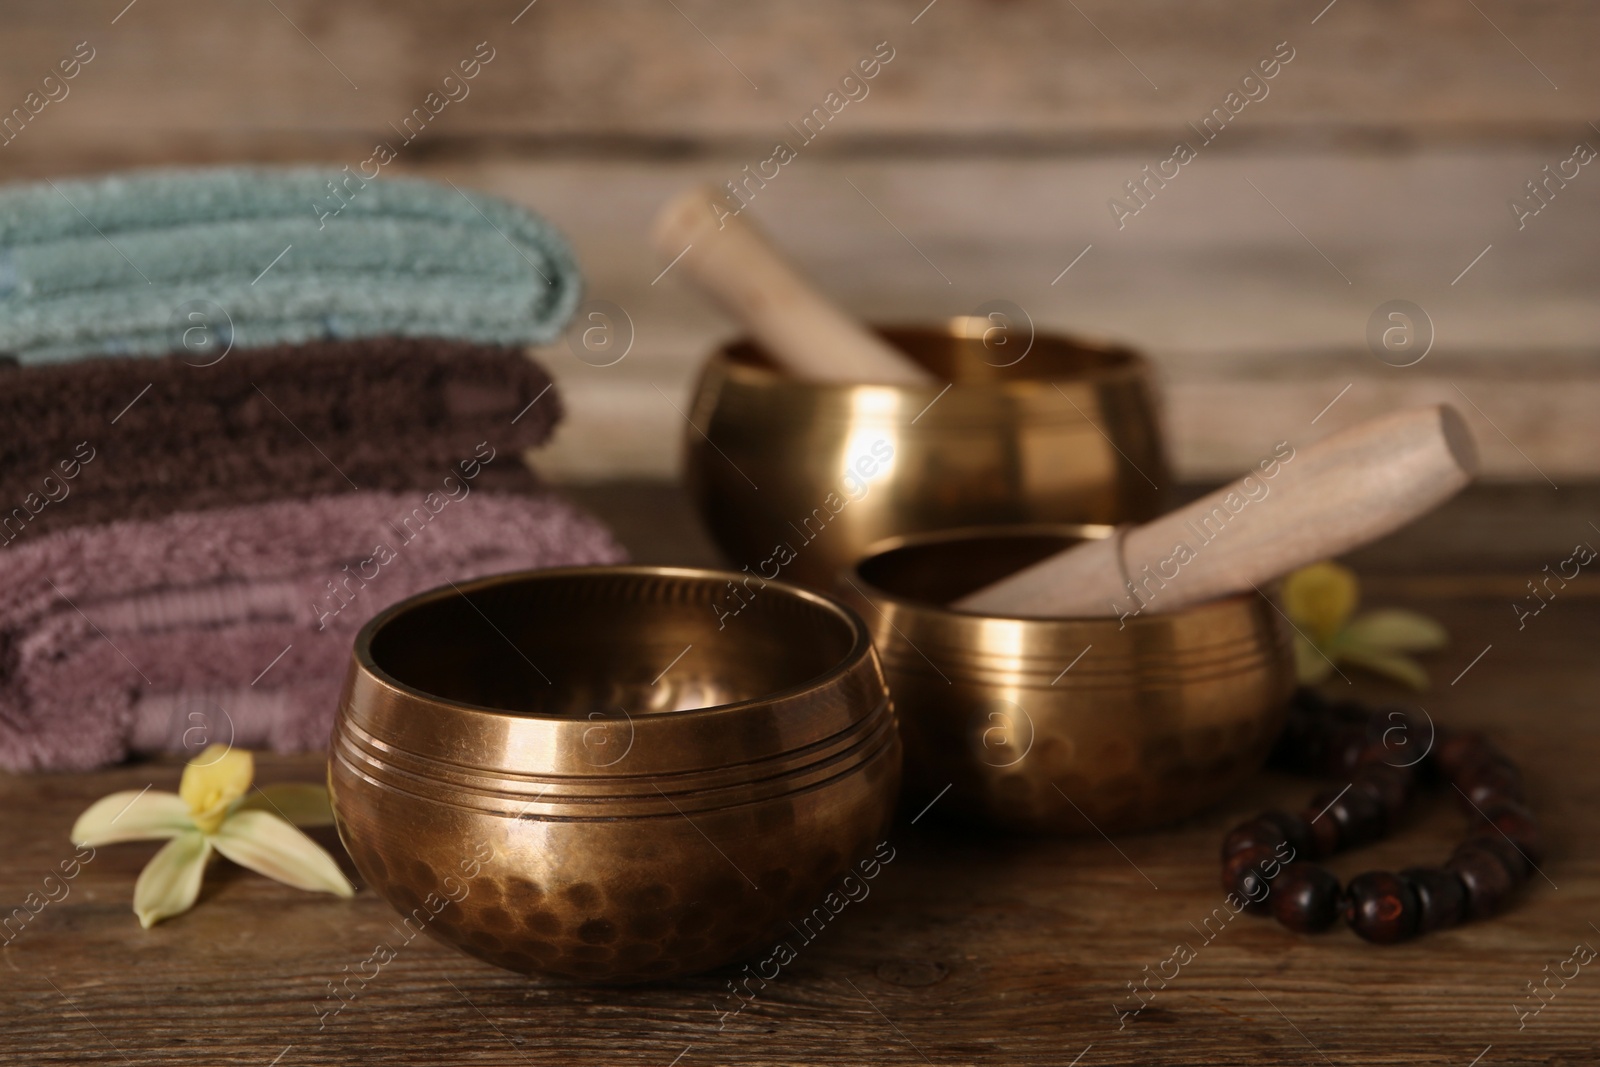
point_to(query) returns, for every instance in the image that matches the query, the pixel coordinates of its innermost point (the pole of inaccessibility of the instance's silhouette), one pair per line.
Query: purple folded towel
(235, 624)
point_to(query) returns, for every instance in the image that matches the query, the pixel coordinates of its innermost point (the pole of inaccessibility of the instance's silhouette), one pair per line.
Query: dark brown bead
(1516, 862)
(1381, 907)
(1402, 734)
(1372, 753)
(1242, 859)
(1484, 874)
(1455, 752)
(1315, 751)
(1359, 816)
(1271, 829)
(1440, 895)
(1296, 834)
(1346, 746)
(1324, 833)
(1249, 874)
(1485, 784)
(1509, 807)
(1428, 771)
(1391, 787)
(1516, 822)
(1400, 743)
(1305, 898)
(1442, 736)
(1252, 834)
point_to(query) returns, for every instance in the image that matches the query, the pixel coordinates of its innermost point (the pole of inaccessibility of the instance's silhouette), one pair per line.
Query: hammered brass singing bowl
(612, 774)
(798, 478)
(1065, 726)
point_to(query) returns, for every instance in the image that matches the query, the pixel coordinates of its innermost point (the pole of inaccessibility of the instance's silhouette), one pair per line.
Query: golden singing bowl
(1065, 726)
(613, 774)
(799, 478)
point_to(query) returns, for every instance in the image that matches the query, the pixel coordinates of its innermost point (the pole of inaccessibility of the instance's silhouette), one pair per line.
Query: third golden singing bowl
(1066, 725)
(609, 773)
(798, 478)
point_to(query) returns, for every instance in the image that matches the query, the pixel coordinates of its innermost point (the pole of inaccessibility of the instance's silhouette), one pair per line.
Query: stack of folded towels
(242, 411)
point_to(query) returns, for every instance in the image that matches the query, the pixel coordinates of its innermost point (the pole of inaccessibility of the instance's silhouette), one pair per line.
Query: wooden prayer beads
(1384, 754)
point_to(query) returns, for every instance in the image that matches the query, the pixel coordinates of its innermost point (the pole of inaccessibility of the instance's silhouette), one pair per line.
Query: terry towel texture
(113, 266)
(120, 638)
(322, 417)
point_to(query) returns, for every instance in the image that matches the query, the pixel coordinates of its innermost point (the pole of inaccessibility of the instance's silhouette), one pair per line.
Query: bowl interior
(965, 351)
(571, 644)
(944, 567)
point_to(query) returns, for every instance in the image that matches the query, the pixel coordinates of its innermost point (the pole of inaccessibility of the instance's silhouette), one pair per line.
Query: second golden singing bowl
(613, 774)
(798, 478)
(1065, 726)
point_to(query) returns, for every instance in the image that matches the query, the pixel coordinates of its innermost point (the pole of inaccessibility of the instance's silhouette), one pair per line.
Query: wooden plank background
(978, 166)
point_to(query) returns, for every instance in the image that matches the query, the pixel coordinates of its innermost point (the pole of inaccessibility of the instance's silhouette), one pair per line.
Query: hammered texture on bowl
(583, 827)
(796, 479)
(1066, 726)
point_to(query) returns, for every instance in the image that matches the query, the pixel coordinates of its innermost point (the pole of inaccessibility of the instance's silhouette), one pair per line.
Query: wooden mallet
(803, 332)
(1306, 505)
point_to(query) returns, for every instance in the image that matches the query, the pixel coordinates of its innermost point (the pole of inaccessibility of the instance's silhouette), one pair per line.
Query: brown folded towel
(105, 439)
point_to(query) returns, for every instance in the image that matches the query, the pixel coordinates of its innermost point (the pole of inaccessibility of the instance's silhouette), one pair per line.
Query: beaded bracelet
(1379, 751)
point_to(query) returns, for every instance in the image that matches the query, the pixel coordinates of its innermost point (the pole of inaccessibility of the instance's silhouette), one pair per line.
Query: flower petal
(213, 780)
(170, 882)
(301, 803)
(1396, 630)
(1310, 665)
(136, 815)
(1402, 669)
(267, 845)
(1321, 598)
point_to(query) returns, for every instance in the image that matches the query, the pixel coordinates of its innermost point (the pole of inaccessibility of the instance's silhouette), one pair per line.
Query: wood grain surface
(978, 165)
(674, 75)
(969, 950)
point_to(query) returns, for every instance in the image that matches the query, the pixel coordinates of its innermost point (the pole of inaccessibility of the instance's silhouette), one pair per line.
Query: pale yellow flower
(210, 813)
(1321, 600)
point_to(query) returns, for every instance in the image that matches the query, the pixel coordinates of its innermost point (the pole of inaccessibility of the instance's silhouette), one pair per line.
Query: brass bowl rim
(1081, 530)
(860, 644)
(1130, 362)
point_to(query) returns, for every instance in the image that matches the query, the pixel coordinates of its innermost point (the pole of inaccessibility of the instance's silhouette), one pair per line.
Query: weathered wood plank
(171, 78)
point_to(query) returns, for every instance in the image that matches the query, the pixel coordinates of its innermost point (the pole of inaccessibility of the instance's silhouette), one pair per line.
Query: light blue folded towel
(124, 265)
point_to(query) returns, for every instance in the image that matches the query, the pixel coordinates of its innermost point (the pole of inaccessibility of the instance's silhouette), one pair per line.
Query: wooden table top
(969, 949)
